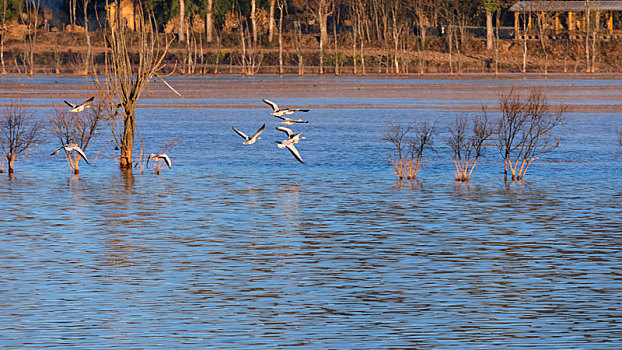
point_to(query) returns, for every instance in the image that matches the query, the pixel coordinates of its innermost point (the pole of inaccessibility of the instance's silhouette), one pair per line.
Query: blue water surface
(243, 247)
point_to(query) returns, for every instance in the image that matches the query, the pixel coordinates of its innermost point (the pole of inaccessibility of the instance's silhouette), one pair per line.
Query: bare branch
(19, 132)
(524, 131)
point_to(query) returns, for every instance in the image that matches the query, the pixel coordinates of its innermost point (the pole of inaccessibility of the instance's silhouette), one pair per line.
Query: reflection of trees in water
(288, 202)
(127, 178)
(413, 184)
(118, 251)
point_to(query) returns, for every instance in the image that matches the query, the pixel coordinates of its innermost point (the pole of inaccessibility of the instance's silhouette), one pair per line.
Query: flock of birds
(291, 137)
(276, 111)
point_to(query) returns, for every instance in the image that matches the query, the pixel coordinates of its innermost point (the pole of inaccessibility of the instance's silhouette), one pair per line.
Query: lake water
(243, 247)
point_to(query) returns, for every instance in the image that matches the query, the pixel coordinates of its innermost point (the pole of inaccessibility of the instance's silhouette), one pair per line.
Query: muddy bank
(594, 93)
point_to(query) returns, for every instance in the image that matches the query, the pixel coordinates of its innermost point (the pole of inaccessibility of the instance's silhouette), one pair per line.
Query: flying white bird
(289, 144)
(290, 121)
(277, 112)
(72, 147)
(82, 106)
(250, 140)
(158, 157)
(290, 134)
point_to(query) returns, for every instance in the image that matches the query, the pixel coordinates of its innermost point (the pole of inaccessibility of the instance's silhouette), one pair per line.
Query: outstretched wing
(81, 153)
(259, 131)
(70, 105)
(297, 137)
(151, 156)
(274, 106)
(283, 118)
(241, 133)
(301, 110)
(288, 131)
(167, 160)
(56, 152)
(294, 151)
(88, 101)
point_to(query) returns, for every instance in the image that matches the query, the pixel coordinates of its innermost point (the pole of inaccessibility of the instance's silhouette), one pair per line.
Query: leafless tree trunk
(219, 41)
(281, 5)
(251, 58)
(87, 60)
(254, 20)
(320, 10)
(358, 32)
(209, 21)
(335, 21)
(72, 14)
(323, 11)
(525, 27)
(202, 70)
(421, 18)
(396, 32)
(298, 43)
(271, 4)
(58, 57)
(182, 12)
(587, 36)
(32, 22)
(245, 69)
(542, 20)
(127, 77)
(19, 132)
(3, 31)
(497, 19)
(591, 34)
(189, 62)
(321, 65)
(364, 34)
(355, 30)
(489, 30)
(450, 38)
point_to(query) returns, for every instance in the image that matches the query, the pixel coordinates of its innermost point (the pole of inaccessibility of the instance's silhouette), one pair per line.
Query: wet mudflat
(243, 247)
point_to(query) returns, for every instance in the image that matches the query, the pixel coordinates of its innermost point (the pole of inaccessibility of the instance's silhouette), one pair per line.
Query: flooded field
(243, 247)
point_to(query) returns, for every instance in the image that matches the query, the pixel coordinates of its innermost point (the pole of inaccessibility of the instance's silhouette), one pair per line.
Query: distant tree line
(335, 36)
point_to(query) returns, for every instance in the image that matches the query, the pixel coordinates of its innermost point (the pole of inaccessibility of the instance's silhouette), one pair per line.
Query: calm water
(243, 247)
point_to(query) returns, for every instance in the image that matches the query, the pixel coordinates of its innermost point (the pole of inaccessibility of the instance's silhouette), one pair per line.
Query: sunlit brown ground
(585, 98)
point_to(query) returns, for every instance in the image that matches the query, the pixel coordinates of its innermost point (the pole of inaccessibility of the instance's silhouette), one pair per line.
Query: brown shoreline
(413, 87)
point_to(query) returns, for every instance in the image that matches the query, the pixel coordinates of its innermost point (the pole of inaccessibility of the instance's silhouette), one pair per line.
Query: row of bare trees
(523, 132)
(393, 32)
(21, 131)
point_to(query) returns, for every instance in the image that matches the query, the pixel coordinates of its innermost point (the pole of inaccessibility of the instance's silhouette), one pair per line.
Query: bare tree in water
(467, 144)
(129, 67)
(410, 142)
(525, 130)
(78, 128)
(19, 132)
